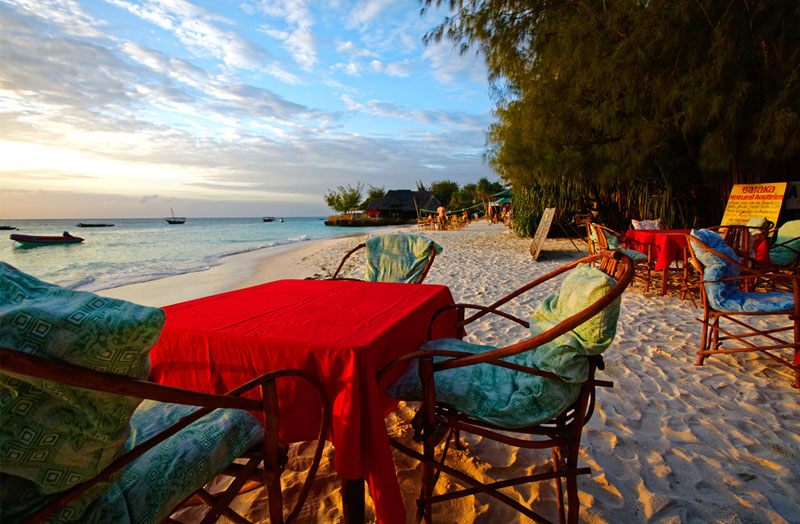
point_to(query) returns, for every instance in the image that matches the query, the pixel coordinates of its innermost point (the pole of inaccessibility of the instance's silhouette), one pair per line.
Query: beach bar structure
(403, 204)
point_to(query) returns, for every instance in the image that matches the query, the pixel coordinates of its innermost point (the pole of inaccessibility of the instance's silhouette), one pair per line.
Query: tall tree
(616, 93)
(444, 190)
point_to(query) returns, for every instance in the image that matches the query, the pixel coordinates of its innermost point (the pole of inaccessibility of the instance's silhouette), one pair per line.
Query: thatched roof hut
(400, 203)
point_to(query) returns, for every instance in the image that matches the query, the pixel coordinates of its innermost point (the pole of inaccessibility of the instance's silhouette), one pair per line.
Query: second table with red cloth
(342, 332)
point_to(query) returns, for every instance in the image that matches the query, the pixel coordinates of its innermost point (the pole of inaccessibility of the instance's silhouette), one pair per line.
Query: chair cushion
(398, 257)
(646, 224)
(636, 256)
(155, 483)
(611, 239)
(514, 399)
(786, 255)
(54, 435)
(726, 295)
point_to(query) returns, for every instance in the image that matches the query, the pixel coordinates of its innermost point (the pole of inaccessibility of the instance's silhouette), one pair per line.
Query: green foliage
(444, 190)
(421, 186)
(464, 197)
(374, 193)
(638, 102)
(344, 198)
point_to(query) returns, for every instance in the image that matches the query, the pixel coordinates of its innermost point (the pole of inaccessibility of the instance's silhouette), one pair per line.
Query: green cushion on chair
(786, 255)
(57, 436)
(398, 257)
(514, 399)
(159, 480)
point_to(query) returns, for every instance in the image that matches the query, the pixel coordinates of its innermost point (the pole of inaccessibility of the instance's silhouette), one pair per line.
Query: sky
(118, 108)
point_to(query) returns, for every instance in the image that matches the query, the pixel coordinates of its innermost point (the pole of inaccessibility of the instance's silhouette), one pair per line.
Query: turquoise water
(137, 250)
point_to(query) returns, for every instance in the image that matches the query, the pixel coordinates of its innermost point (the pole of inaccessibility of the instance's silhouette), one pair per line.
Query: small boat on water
(175, 220)
(7, 228)
(269, 219)
(280, 220)
(40, 240)
(83, 224)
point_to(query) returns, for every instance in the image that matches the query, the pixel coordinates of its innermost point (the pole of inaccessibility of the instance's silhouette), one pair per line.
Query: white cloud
(450, 67)
(66, 13)
(199, 30)
(298, 38)
(367, 10)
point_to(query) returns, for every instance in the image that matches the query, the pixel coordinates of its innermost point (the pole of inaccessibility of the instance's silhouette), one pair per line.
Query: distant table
(668, 244)
(342, 332)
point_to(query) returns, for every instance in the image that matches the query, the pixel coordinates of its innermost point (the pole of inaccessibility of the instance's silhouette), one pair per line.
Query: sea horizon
(138, 250)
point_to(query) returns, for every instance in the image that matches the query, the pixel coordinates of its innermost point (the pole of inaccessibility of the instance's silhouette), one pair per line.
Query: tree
(344, 198)
(633, 96)
(444, 190)
(374, 193)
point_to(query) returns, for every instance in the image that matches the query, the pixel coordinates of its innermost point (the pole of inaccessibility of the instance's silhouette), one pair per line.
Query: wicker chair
(724, 297)
(395, 258)
(643, 255)
(441, 373)
(197, 437)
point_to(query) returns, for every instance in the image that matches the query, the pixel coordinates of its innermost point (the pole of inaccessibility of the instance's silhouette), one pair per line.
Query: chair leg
(429, 422)
(557, 460)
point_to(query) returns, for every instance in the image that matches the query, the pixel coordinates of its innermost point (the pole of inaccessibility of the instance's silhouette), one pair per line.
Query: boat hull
(39, 240)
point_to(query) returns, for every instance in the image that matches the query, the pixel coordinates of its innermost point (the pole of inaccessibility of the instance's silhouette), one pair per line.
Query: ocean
(138, 250)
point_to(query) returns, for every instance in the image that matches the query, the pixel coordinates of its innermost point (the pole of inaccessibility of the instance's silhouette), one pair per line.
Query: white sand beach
(670, 443)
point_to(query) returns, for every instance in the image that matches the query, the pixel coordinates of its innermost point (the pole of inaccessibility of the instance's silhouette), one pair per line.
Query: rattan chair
(395, 258)
(198, 437)
(724, 279)
(586, 310)
(643, 255)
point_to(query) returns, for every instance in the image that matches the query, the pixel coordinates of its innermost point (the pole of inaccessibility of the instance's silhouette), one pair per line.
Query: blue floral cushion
(398, 257)
(159, 480)
(514, 399)
(726, 295)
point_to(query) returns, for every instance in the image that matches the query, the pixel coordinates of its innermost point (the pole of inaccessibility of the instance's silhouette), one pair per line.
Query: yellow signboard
(754, 201)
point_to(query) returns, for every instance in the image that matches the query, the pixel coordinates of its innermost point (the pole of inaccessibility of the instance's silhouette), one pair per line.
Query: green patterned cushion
(159, 480)
(398, 257)
(513, 399)
(53, 435)
(785, 255)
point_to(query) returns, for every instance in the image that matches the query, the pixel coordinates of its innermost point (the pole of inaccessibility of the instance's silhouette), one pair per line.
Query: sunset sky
(227, 108)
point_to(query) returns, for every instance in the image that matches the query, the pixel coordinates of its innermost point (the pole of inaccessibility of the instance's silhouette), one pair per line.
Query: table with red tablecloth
(342, 332)
(666, 247)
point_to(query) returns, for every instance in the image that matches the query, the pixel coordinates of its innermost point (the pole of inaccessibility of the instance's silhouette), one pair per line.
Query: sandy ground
(670, 443)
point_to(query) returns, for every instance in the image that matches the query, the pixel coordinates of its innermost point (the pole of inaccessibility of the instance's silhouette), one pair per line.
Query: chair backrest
(708, 250)
(786, 248)
(81, 328)
(604, 237)
(399, 258)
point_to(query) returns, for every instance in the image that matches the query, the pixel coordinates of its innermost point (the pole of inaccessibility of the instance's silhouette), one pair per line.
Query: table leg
(664, 281)
(353, 501)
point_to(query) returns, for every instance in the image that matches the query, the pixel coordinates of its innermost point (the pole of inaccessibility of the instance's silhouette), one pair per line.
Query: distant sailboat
(174, 219)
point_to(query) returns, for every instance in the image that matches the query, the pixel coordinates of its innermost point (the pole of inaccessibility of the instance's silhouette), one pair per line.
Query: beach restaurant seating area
(115, 412)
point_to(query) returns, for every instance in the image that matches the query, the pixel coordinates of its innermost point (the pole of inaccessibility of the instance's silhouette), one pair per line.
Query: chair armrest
(462, 323)
(344, 259)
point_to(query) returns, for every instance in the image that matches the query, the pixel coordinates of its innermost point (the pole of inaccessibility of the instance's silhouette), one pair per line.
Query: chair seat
(636, 256)
(756, 302)
(158, 481)
(493, 394)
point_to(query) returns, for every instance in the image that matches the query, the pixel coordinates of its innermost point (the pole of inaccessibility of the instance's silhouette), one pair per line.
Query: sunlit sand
(671, 442)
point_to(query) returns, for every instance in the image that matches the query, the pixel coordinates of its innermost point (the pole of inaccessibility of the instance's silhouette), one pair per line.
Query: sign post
(754, 201)
(542, 231)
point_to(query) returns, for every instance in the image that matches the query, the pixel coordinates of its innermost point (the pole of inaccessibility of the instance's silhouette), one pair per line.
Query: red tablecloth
(667, 244)
(342, 332)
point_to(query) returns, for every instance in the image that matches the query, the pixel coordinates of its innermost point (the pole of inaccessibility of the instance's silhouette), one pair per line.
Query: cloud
(450, 67)
(440, 118)
(199, 30)
(66, 14)
(366, 11)
(298, 38)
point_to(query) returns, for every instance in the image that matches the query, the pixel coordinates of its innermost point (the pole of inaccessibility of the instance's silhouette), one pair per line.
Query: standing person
(442, 213)
(506, 214)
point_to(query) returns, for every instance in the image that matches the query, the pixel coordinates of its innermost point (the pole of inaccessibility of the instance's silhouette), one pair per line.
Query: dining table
(667, 247)
(340, 331)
